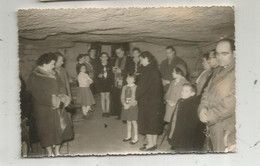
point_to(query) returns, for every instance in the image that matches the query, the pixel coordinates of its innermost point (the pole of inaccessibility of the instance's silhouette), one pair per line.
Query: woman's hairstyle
(171, 48)
(104, 53)
(192, 87)
(81, 65)
(58, 54)
(149, 56)
(80, 56)
(178, 71)
(46, 58)
(92, 49)
(206, 56)
(120, 47)
(136, 49)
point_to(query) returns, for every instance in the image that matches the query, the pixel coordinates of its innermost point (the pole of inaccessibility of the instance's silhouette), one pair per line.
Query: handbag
(62, 119)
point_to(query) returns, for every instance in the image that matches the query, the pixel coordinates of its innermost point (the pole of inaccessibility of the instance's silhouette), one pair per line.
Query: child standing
(104, 83)
(187, 134)
(174, 92)
(130, 110)
(85, 97)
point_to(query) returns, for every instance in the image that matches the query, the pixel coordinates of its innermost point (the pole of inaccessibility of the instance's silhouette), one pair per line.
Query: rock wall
(29, 51)
(191, 54)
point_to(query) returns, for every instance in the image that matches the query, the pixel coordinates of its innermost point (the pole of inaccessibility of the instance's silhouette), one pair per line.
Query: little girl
(130, 110)
(85, 97)
(174, 92)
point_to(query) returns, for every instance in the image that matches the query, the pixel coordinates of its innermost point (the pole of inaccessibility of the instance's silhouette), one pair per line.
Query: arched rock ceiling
(180, 26)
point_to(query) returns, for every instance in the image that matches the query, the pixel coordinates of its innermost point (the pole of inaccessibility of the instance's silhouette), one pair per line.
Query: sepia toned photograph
(123, 81)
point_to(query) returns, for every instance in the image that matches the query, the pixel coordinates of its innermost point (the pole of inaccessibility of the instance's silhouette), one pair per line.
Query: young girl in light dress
(85, 97)
(130, 110)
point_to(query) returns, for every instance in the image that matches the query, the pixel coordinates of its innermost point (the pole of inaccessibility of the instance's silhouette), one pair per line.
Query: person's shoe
(143, 148)
(133, 142)
(153, 148)
(173, 148)
(126, 139)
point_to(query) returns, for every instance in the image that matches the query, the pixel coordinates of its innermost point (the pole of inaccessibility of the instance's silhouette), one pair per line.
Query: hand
(90, 81)
(165, 82)
(203, 115)
(172, 104)
(118, 70)
(105, 74)
(126, 106)
(65, 99)
(134, 102)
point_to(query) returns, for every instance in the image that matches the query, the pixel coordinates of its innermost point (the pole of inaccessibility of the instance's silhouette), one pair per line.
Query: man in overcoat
(217, 108)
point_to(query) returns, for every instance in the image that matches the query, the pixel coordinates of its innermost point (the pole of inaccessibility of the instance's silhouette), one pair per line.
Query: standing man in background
(167, 65)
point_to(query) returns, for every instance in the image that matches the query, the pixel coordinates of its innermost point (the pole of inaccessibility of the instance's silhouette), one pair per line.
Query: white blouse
(84, 80)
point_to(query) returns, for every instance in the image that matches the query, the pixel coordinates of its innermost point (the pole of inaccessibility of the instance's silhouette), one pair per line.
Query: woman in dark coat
(149, 94)
(43, 86)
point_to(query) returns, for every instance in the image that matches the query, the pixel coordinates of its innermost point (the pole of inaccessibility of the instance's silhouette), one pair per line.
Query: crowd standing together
(152, 99)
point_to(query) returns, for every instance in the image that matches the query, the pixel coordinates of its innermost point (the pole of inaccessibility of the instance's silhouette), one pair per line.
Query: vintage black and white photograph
(121, 81)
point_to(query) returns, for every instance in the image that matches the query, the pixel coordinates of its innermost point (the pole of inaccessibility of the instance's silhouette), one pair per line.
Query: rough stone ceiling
(179, 26)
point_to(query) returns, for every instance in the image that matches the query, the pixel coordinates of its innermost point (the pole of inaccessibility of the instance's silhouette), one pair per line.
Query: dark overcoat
(188, 134)
(42, 86)
(149, 94)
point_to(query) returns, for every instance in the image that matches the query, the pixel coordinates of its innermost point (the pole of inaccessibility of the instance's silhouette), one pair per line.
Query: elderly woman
(47, 102)
(149, 94)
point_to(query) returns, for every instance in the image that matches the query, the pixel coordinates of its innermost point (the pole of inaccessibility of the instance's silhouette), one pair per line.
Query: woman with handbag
(47, 102)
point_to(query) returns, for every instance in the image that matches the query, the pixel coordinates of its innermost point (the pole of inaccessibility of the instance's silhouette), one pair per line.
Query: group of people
(153, 99)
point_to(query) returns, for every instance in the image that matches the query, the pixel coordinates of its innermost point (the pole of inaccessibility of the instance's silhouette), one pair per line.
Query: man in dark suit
(123, 66)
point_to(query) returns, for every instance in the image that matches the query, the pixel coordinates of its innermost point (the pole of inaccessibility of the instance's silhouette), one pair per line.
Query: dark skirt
(48, 126)
(130, 114)
(85, 97)
(150, 121)
(104, 85)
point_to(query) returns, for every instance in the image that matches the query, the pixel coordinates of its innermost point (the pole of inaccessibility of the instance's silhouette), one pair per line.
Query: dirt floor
(101, 136)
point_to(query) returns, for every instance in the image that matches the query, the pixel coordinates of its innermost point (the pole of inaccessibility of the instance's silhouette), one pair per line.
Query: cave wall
(191, 54)
(29, 51)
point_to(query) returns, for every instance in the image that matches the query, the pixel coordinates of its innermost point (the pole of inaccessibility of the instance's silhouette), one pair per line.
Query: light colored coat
(220, 101)
(201, 80)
